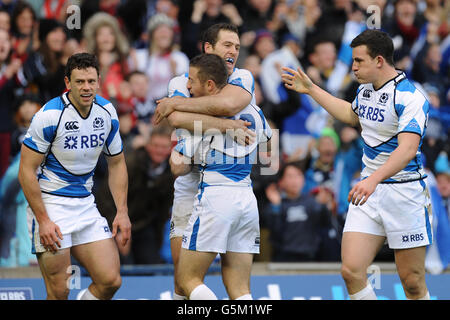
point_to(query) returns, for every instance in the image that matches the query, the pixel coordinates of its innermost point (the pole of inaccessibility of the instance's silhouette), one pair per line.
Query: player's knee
(350, 273)
(110, 284)
(57, 291)
(413, 282)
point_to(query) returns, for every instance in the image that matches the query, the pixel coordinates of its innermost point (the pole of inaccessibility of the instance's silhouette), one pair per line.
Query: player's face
(83, 85)
(227, 47)
(364, 66)
(194, 85)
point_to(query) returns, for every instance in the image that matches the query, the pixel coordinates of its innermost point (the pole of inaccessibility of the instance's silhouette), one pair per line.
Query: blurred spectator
(426, 68)
(15, 244)
(44, 67)
(143, 106)
(91, 7)
(5, 20)
(294, 219)
(271, 65)
(51, 9)
(263, 45)
(322, 59)
(161, 61)
(150, 193)
(105, 39)
(25, 108)
(131, 138)
(24, 30)
(443, 183)
(347, 166)
(321, 166)
(257, 14)
(404, 29)
(205, 13)
(9, 67)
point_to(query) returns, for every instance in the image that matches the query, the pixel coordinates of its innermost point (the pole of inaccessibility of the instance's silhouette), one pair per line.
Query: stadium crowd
(142, 44)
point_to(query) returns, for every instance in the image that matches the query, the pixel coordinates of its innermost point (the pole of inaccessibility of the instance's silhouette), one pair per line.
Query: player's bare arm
(227, 103)
(180, 165)
(408, 143)
(193, 122)
(340, 109)
(118, 184)
(49, 232)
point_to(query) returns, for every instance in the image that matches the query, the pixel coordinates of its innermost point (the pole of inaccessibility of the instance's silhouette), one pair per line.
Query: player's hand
(122, 225)
(164, 108)
(296, 80)
(240, 132)
(362, 191)
(50, 234)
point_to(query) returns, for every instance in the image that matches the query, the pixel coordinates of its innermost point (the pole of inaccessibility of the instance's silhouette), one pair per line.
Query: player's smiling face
(83, 85)
(364, 66)
(194, 85)
(227, 47)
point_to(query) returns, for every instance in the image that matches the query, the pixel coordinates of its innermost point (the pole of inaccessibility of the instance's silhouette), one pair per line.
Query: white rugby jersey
(72, 144)
(384, 113)
(186, 186)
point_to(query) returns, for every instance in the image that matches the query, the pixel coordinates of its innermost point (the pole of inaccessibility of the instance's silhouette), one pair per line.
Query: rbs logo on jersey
(370, 113)
(91, 141)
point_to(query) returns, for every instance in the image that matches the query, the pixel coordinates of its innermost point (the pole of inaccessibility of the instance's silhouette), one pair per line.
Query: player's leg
(101, 260)
(411, 270)
(236, 270)
(358, 251)
(192, 268)
(54, 271)
(175, 247)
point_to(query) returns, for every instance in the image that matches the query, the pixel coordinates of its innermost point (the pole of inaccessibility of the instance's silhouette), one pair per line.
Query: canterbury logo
(71, 125)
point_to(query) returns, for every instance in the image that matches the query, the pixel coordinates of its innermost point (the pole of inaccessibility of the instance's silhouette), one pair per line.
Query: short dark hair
(81, 61)
(211, 35)
(378, 43)
(211, 67)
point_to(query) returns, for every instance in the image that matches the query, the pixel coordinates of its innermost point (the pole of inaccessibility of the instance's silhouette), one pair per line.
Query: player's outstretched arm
(340, 109)
(118, 185)
(49, 232)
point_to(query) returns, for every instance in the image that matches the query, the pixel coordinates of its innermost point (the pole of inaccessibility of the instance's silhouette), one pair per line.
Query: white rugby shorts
(399, 211)
(181, 212)
(78, 219)
(224, 218)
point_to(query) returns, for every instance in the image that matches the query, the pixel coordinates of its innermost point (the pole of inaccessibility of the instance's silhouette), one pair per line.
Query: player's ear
(380, 61)
(67, 82)
(207, 47)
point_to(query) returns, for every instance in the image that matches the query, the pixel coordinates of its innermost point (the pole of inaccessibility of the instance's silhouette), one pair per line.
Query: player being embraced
(391, 201)
(183, 111)
(225, 217)
(58, 158)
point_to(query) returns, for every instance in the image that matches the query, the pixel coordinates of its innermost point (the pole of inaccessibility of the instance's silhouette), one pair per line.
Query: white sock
(202, 292)
(247, 296)
(177, 296)
(365, 294)
(425, 297)
(87, 295)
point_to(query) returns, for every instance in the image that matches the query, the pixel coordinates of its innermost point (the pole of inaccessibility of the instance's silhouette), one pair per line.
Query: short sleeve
(244, 79)
(42, 130)
(412, 109)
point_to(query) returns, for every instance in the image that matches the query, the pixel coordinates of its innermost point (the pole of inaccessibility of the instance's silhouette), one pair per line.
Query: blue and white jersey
(186, 186)
(394, 108)
(72, 144)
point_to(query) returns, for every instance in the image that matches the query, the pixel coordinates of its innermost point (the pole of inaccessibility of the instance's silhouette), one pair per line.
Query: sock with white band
(365, 294)
(202, 292)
